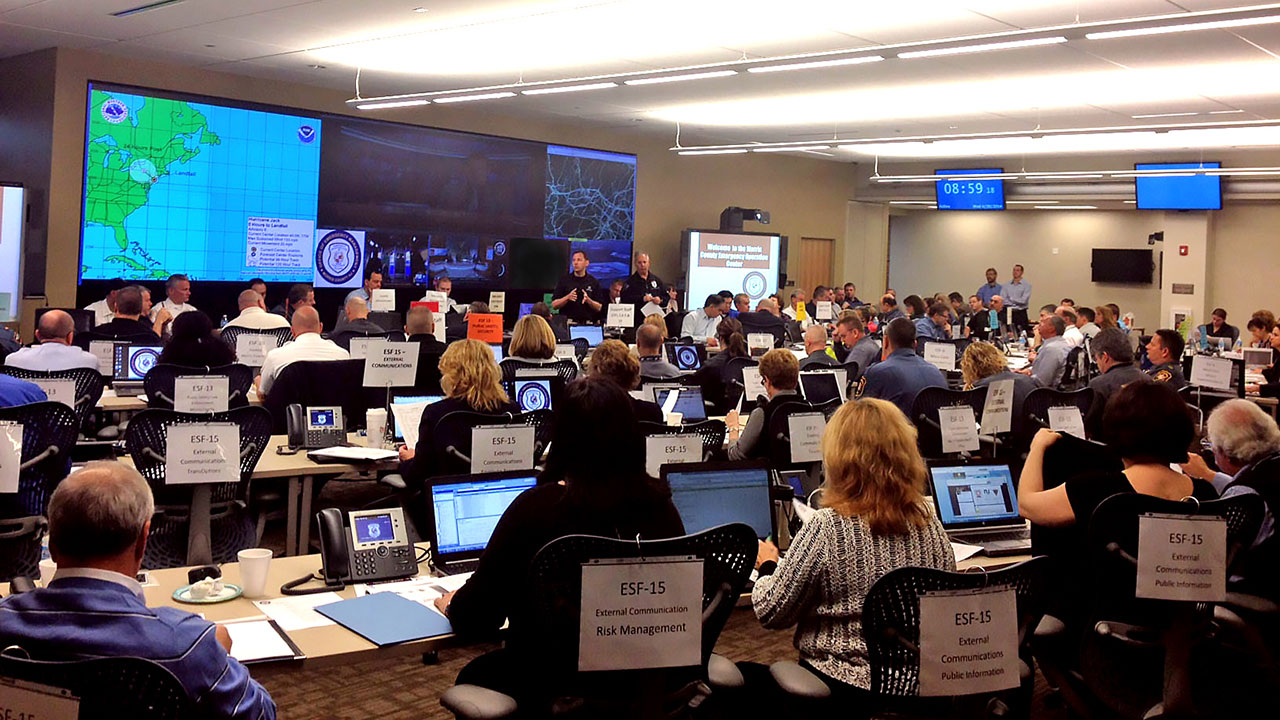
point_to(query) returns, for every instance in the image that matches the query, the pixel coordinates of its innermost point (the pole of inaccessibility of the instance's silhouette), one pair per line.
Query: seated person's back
(614, 361)
(253, 313)
(19, 392)
(194, 345)
(128, 323)
(532, 341)
(902, 374)
(653, 364)
(420, 326)
(99, 518)
(780, 374)
(307, 345)
(356, 323)
(56, 350)
(871, 522)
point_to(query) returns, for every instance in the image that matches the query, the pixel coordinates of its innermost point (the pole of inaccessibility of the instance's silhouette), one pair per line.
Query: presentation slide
(735, 262)
(12, 207)
(216, 192)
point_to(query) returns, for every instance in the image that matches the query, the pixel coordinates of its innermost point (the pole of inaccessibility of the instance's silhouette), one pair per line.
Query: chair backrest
(159, 383)
(891, 615)
(1035, 409)
(779, 433)
(389, 321)
(1076, 372)
(555, 577)
(566, 370)
(89, 385)
(230, 333)
(146, 441)
(710, 431)
(733, 368)
(451, 439)
(321, 383)
(924, 414)
(581, 346)
(20, 547)
(544, 425)
(129, 687)
(48, 436)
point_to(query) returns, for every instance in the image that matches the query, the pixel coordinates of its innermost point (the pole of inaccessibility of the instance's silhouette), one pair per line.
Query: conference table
(112, 403)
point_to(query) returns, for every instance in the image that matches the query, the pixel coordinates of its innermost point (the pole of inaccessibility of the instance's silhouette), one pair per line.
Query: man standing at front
(574, 297)
(990, 289)
(643, 287)
(1017, 296)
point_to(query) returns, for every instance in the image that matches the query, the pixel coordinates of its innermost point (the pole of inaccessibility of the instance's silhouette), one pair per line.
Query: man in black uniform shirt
(643, 287)
(574, 293)
(1165, 353)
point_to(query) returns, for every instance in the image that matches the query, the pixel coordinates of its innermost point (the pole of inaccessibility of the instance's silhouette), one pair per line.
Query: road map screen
(216, 192)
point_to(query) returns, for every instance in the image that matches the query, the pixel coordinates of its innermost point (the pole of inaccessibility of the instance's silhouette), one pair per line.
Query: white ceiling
(468, 43)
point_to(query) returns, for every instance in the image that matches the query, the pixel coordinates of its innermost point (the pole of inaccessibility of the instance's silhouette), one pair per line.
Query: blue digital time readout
(956, 193)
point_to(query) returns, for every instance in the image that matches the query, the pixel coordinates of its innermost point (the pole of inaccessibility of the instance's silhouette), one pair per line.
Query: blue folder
(386, 618)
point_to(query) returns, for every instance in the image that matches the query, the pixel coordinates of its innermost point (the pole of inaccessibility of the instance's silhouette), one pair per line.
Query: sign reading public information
(968, 642)
(1182, 557)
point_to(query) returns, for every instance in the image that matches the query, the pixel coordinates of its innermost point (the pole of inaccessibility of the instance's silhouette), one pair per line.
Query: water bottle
(1022, 340)
(224, 320)
(408, 266)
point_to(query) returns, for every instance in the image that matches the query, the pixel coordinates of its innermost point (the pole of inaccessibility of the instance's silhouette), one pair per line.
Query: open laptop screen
(466, 512)
(133, 361)
(974, 495)
(820, 387)
(409, 400)
(688, 403)
(685, 357)
(533, 393)
(707, 498)
(594, 334)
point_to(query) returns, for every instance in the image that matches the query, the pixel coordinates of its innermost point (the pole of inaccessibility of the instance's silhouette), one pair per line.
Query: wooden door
(814, 264)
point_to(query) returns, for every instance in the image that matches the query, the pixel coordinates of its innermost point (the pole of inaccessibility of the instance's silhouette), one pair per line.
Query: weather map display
(591, 195)
(216, 192)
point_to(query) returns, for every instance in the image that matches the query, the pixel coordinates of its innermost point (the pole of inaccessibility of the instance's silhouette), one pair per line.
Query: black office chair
(555, 576)
(778, 441)
(1135, 654)
(566, 370)
(1075, 374)
(343, 338)
(48, 438)
(544, 425)
(113, 686)
(389, 321)
(231, 333)
(197, 524)
(89, 385)
(83, 340)
(924, 414)
(159, 383)
(581, 346)
(321, 383)
(891, 628)
(753, 322)
(1035, 409)
(451, 440)
(711, 432)
(675, 323)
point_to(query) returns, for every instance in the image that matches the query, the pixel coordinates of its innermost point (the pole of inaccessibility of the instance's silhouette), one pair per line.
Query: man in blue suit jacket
(99, 519)
(902, 373)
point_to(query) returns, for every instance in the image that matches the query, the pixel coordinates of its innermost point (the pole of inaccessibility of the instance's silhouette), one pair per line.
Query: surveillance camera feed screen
(737, 262)
(243, 190)
(978, 194)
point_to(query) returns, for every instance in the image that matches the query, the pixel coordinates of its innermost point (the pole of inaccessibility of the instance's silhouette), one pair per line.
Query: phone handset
(335, 561)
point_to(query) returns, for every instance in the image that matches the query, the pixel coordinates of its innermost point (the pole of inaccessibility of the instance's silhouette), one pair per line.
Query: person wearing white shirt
(372, 281)
(701, 324)
(307, 345)
(104, 310)
(253, 313)
(178, 288)
(445, 285)
(55, 351)
(1073, 336)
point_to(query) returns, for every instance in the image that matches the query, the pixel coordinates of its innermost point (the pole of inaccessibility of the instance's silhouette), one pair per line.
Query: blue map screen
(961, 194)
(1194, 192)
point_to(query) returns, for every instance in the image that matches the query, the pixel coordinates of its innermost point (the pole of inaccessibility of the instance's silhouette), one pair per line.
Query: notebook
(978, 505)
(467, 508)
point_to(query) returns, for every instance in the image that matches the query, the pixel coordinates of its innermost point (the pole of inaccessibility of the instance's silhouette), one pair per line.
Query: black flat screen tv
(1122, 266)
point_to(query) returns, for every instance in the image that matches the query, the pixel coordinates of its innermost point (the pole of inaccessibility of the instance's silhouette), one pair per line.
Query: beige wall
(1244, 263)
(940, 251)
(806, 197)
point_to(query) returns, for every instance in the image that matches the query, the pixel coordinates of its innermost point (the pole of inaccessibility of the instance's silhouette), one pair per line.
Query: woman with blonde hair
(874, 519)
(982, 364)
(659, 322)
(472, 382)
(532, 341)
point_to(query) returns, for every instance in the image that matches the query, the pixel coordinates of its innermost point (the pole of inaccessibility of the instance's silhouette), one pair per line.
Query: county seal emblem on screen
(339, 258)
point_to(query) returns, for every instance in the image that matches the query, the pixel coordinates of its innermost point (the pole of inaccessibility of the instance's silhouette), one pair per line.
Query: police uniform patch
(1163, 376)
(862, 386)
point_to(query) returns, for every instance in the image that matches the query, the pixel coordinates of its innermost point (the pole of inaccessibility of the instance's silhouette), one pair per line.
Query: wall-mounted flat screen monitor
(1179, 191)
(1122, 266)
(979, 192)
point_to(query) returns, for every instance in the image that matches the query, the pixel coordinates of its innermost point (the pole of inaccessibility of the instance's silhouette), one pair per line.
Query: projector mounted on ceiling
(732, 217)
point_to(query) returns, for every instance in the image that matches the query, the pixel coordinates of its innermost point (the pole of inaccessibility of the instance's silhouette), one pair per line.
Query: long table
(110, 402)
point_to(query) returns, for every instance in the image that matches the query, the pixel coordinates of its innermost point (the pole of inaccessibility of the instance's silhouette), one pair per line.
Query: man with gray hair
(1246, 449)
(178, 289)
(420, 326)
(55, 351)
(99, 519)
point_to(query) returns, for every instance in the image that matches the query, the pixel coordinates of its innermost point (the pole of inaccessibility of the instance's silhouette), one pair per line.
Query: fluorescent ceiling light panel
(815, 64)
(569, 88)
(983, 47)
(806, 148)
(713, 152)
(1118, 88)
(470, 98)
(1184, 27)
(1029, 202)
(1164, 115)
(382, 105)
(1066, 207)
(1111, 142)
(681, 78)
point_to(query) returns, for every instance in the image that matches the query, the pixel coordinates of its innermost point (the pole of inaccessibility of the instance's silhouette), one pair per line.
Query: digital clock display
(980, 193)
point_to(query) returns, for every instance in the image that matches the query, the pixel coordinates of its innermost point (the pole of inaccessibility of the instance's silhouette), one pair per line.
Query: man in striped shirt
(94, 607)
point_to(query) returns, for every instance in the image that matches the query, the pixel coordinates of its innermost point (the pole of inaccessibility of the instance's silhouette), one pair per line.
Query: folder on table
(387, 618)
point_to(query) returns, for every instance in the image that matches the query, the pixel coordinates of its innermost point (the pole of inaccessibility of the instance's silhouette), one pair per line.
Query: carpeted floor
(405, 688)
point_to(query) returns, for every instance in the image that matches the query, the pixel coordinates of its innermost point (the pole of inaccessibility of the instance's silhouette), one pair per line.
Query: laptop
(497, 353)
(686, 357)
(688, 403)
(132, 362)
(594, 334)
(708, 495)
(978, 505)
(820, 386)
(466, 509)
(525, 309)
(409, 400)
(533, 393)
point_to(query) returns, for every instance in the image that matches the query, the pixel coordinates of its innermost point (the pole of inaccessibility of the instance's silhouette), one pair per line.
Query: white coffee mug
(674, 419)
(47, 568)
(254, 564)
(375, 422)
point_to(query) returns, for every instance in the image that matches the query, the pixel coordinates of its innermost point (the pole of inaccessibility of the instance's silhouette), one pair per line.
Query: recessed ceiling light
(681, 78)
(815, 64)
(315, 66)
(569, 88)
(791, 149)
(470, 98)
(1184, 27)
(1164, 115)
(381, 105)
(984, 47)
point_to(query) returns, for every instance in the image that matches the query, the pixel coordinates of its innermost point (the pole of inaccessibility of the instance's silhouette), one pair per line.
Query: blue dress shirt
(1017, 294)
(19, 392)
(986, 291)
(899, 378)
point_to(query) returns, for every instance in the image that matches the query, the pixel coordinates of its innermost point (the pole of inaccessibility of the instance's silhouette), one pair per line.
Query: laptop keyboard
(1022, 534)
(458, 568)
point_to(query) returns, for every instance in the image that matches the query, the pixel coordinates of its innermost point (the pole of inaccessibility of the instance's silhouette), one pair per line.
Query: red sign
(485, 327)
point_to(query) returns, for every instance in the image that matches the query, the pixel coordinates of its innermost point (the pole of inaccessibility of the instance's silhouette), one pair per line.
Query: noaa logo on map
(142, 362)
(338, 257)
(114, 111)
(533, 397)
(755, 285)
(306, 134)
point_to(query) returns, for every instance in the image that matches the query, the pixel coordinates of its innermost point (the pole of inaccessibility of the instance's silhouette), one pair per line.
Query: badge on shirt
(1163, 376)
(862, 386)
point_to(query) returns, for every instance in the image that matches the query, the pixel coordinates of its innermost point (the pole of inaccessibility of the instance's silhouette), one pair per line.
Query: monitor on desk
(708, 495)
(409, 400)
(468, 507)
(132, 362)
(688, 402)
(594, 334)
(497, 352)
